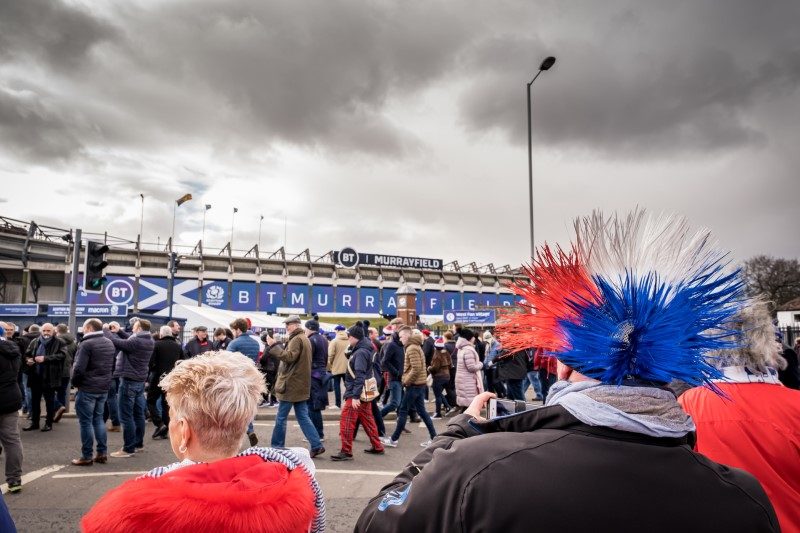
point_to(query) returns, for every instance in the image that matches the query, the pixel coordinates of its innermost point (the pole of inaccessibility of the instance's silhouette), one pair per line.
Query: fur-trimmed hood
(243, 493)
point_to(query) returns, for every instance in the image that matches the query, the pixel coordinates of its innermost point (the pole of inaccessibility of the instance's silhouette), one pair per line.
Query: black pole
(530, 171)
(171, 284)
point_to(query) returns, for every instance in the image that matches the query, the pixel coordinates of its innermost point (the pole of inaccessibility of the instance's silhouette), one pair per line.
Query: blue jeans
(316, 419)
(515, 389)
(395, 396)
(415, 396)
(337, 388)
(26, 394)
(301, 412)
(131, 413)
(89, 408)
(532, 379)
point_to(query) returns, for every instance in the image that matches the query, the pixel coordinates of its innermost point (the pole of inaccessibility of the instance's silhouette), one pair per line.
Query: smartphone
(498, 408)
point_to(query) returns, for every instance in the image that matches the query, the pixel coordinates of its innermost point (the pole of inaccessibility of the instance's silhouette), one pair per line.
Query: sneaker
(321, 439)
(121, 454)
(436, 417)
(59, 413)
(82, 462)
(31, 427)
(160, 430)
(47, 427)
(14, 487)
(253, 439)
(373, 451)
(334, 407)
(341, 456)
(318, 451)
(426, 443)
(387, 441)
(451, 411)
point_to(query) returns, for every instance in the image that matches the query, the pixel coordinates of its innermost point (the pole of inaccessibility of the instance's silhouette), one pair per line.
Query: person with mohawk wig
(755, 426)
(633, 304)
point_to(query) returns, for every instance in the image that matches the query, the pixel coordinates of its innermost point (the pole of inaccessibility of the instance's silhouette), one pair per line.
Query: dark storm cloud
(642, 79)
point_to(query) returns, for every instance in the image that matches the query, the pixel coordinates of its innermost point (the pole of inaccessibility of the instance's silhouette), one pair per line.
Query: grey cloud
(643, 88)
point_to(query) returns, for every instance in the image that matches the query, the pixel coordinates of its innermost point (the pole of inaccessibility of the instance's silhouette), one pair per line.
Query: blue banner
(432, 303)
(152, 293)
(369, 300)
(507, 300)
(487, 299)
(452, 300)
(214, 294)
(420, 301)
(243, 296)
(19, 309)
(322, 299)
(389, 301)
(296, 297)
(470, 318)
(270, 297)
(470, 301)
(346, 300)
(89, 310)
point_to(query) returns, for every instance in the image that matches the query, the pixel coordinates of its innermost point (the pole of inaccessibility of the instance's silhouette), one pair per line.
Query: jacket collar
(556, 417)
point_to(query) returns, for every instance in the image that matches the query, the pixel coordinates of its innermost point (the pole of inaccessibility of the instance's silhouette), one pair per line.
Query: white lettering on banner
(346, 301)
(271, 296)
(298, 299)
(506, 304)
(369, 301)
(319, 300)
(471, 305)
(433, 303)
(391, 302)
(244, 297)
(118, 292)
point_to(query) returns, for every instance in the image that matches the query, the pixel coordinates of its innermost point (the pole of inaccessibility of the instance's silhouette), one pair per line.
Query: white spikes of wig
(611, 246)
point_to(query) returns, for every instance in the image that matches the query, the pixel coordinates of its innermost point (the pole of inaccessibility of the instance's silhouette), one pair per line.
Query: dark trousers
(438, 391)
(515, 389)
(451, 388)
(546, 380)
(39, 391)
(61, 393)
(316, 419)
(337, 388)
(415, 395)
(154, 392)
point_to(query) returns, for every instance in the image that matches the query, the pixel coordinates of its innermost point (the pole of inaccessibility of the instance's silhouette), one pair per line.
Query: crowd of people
(668, 402)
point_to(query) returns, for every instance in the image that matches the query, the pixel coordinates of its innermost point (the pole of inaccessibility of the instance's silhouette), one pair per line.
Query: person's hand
(356, 403)
(114, 328)
(29, 361)
(39, 359)
(478, 404)
(270, 341)
(105, 327)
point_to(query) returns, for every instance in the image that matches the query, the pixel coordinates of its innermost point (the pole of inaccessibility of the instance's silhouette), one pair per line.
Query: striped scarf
(287, 457)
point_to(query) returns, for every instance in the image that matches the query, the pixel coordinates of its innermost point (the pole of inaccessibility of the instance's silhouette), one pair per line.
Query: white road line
(357, 472)
(98, 474)
(128, 473)
(32, 476)
(272, 424)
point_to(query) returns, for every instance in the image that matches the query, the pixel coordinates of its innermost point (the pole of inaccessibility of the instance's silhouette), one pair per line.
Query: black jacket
(134, 357)
(319, 351)
(71, 346)
(361, 366)
(194, 347)
(49, 373)
(94, 363)
(393, 358)
(166, 352)
(428, 350)
(10, 360)
(544, 470)
(790, 377)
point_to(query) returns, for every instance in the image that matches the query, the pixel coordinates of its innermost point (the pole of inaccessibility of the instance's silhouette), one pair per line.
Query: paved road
(56, 494)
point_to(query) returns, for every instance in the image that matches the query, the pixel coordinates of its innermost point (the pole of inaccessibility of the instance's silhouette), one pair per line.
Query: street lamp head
(547, 63)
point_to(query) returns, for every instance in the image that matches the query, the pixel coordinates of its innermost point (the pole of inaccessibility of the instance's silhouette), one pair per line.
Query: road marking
(97, 474)
(357, 472)
(272, 424)
(32, 476)
(129, 473)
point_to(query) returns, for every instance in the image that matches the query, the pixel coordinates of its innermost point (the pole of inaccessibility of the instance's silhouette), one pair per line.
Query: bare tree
(777, 278)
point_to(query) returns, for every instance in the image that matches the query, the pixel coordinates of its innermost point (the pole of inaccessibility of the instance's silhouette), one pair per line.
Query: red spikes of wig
(554, 279)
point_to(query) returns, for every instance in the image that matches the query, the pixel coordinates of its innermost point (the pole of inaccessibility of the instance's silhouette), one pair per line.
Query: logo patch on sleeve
(395, 497)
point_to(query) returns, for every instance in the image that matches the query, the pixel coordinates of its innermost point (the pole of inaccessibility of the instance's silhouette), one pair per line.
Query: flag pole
(141, 220)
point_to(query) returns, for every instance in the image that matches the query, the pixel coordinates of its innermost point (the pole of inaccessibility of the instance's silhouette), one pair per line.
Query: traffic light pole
(73, 282)
(171, 284)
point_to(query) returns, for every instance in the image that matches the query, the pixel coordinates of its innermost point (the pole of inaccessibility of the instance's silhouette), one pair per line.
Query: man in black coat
(393, 362)
(166, 352)
(45, 364)
(91, 374)
(199, 343)
(318, 399)
(10, 403)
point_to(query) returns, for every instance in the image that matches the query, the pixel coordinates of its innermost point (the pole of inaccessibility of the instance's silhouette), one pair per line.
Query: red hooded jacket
(231, 495)
(756, 428)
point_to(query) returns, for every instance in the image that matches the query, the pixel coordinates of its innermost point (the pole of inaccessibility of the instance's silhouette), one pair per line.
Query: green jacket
(293, 383)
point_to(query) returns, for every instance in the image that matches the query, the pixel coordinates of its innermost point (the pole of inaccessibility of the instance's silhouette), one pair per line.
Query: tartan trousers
(347, 425)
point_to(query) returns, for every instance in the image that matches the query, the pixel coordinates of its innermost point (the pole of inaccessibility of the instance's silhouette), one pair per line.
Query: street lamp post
(546, 64)
(203, 234)
(233, 218)
(260, 222)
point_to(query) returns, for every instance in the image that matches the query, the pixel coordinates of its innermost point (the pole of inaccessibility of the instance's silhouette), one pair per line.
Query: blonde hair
(218, 394)
(758, 349)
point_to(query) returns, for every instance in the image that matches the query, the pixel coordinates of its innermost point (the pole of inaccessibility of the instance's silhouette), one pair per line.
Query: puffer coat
(469, 381)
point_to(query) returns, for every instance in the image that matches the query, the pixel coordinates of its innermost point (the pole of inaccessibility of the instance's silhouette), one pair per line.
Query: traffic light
(93, 278)
(174, 262)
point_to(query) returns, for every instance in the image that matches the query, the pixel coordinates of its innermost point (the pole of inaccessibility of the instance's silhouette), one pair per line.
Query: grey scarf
(644, 410)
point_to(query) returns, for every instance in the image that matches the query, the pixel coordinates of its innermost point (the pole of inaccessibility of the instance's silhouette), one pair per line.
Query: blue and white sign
(432, 303)
(296, 297)
(346, 300)
(452, 301)
(507, 300)
(470, 318)
(19, 309)
(243, 297)
(389, 302)
(322, 299)
(369, 300)
(90, 310)
(270, 297)
(470, 300)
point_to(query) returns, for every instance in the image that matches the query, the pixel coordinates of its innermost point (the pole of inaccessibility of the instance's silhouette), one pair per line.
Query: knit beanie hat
(356, 331)
(439, 342)
(312, 324)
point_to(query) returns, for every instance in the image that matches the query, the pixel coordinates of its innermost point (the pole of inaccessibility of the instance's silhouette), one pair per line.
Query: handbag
(370, 389)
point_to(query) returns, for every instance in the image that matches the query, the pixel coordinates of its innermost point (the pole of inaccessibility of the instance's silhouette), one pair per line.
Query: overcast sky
(400, 127)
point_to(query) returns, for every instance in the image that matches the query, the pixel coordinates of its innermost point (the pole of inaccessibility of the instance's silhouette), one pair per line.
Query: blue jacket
(361, 365)
(319, 350)
(245, 345)
(133, 359)
(94, 363)
(393, 358)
